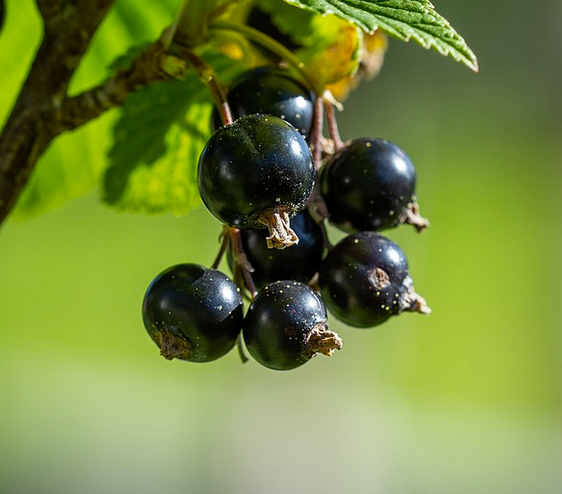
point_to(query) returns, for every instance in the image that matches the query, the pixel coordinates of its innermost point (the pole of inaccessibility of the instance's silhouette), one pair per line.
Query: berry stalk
(208, 75)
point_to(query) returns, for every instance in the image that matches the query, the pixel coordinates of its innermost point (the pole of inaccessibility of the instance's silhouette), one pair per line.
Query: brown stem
(241, 353)
(241, 262)
(224, 237)
(332, 125)
(317, 124)
(43, 110)
(319, 213)
(69, 27)
(49, 8)
(78, 110)
(209, 77)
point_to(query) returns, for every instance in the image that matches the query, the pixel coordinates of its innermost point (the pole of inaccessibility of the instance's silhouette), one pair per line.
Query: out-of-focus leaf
(329, 46)
(372, 57)
(158, 139)
(338, 56)
(159, 136)
(75, 161)
(402, 19)
(124, 61)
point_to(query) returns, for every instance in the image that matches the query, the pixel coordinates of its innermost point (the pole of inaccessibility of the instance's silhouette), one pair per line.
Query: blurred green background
(466, 400)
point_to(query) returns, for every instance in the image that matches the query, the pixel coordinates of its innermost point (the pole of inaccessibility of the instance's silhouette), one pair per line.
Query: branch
(69, 27)
(147, 68)
(44, 110)
(49, 8)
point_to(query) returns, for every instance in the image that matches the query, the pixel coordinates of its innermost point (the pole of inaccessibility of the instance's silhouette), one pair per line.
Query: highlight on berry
(275, 181)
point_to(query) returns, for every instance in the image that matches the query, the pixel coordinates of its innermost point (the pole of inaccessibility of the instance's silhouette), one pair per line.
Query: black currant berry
(365, 279)
(256, 173)
(272, 91)
(286, 325)
(300, 263)
(369, 184)
(193, 313)
(261, 20)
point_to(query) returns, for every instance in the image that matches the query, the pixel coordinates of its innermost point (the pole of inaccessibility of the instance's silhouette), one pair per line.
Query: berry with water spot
(300, 263)
(365, 280)
(286, 325)
(370, 184)
(272, 91)
(257, 172)
(193, 313)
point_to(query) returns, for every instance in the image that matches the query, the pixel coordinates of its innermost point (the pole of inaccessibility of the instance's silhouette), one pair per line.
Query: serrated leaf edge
(464, 55)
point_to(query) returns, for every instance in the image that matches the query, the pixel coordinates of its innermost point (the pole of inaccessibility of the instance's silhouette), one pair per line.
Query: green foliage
(75, 162)
(161, 130)
(316, 37)
(402, 19)
(157, 141)
(153, 162)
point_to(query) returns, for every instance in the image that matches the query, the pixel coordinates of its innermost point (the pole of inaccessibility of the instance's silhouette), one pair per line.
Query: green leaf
(159, 136)
(158, 139)
(75, 161)
(125, 61)
(329, 46)
(402, 19)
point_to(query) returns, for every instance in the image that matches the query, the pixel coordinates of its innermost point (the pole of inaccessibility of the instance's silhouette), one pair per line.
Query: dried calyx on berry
(365, 279)
(257, 172)
(193, 313)
(369, 184)
(286, 325)
(300, 263)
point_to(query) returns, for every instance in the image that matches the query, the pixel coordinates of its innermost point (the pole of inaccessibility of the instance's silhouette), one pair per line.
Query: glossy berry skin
(368, 185)
(256, 164)
(299, 262)
(193, 313)
(272, 91)
(364, 280)
(280, 322)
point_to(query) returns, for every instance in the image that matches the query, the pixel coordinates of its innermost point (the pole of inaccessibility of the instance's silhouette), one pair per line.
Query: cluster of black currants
(268, 174)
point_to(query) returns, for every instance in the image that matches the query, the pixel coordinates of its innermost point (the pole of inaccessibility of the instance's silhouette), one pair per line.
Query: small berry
(365, 280)
(272, 91)
(286, 325)
(300, 263)
(193, 313)
(256, 173)
(369, 184)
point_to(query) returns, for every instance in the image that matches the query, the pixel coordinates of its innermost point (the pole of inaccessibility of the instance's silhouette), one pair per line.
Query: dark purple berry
(193, 313)
(365, 279)
(272, 91)
(300, 262)
(286, 325)
(369, 184)
(256, 173)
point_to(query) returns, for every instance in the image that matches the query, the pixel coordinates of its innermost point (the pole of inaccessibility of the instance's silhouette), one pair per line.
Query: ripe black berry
(286, 326)
(272, 91)
(256, 173)
(300, 263)
(370, 185)
(365, 279)
(193, 313)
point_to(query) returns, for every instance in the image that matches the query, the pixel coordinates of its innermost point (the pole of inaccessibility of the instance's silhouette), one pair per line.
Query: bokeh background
(466, 400)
